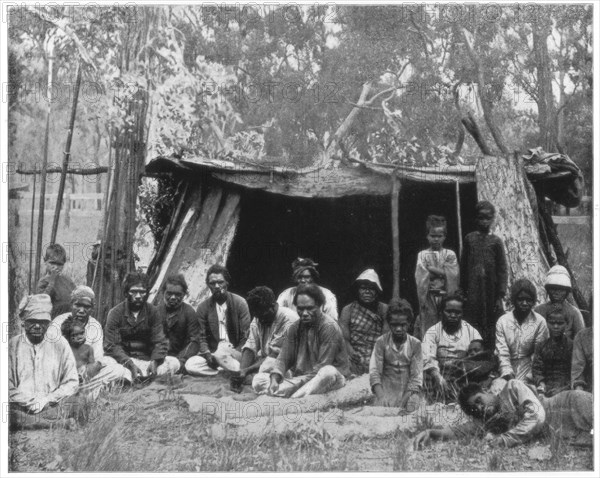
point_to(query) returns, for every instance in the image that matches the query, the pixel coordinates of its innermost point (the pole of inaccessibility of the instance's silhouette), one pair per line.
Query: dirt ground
(152, 429)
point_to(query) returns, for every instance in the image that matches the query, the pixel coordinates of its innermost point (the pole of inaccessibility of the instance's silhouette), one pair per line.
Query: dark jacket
(59, 288)
(238, 323)
(126, 337)
(182, 330)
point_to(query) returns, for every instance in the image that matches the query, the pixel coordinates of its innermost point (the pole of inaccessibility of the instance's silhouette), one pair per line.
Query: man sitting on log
(134, 335)
(180, 321)
(267, 333)
(42, 373)
(313, 351)
(516, 415)
(224, 324)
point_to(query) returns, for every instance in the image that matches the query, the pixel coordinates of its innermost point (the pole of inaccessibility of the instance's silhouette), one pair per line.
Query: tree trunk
(501, 181)
(546, 105)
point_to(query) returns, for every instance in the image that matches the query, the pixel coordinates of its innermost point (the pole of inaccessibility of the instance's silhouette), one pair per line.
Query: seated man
(313, 350)
(396, 369)
(42, 373)
(305, 272)
(224, 324)
(180, 322)
(552, 359)
(516, 415)
(57, 285)
(134, 335)
(582, 363)
(445, 342)
(362, 321)
(267, 333)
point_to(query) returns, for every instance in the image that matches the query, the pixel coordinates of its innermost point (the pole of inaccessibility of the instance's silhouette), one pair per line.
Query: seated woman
(516, 415)
(445, 342)
(519, 333)
(362, 321)
(305, 272)
(396, 368)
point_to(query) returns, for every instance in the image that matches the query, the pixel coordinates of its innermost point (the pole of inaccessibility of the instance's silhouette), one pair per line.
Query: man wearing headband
(42, 373)
(57, 285)
(305, 272)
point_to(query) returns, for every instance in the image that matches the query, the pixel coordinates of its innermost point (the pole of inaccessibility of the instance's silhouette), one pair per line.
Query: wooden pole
(31, 234)
(67, 154)
(396, 235)
(40, 234)
(99, 269)
(458, 219)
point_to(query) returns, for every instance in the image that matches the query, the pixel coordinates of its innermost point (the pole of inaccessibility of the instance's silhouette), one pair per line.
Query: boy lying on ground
(516, 415)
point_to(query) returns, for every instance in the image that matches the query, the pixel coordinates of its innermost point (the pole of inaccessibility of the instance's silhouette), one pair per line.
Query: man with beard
(134, 335)
(313, 351)
(42, 373)
(267, 333)
(82, 304)
(444, 342)
(516, 415)
(224, 322)
(180, 322)
(362, 322)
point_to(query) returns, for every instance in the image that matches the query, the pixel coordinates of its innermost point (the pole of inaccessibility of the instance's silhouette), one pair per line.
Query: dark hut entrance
(344, 235)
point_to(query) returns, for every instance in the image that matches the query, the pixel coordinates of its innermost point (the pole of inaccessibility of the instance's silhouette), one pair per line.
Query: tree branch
(486, 103)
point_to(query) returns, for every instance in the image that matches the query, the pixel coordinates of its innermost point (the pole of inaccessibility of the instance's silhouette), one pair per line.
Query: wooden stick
(459, 221)
(67, 154)
(101, 254)
(31, 235)
(40, 225)
(76, 171)
(396, 235)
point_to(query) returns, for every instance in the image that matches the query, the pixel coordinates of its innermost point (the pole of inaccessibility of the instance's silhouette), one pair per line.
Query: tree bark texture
(501, 180)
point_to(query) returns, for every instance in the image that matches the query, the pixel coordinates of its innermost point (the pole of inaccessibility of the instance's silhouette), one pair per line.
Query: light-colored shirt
(439, 345)
(286, 299)
(222, 316)
(94, 336)
(267, 341)
(516, 343)
(520, 406)
(40, 373)
(397, 368)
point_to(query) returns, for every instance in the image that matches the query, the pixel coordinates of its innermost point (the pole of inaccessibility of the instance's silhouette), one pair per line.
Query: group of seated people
(296, 345)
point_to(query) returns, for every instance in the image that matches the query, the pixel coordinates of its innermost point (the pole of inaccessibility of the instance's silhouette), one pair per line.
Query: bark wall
(501, 180)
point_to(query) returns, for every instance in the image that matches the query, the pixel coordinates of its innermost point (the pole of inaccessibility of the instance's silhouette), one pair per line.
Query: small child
(396, 367)
(436, 275)
(552, 362)
(57, 285)
(87, 367)
(484, 274)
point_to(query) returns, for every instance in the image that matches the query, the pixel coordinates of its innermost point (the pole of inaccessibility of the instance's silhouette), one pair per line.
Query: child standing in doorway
(436, 275)
(484, 274)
